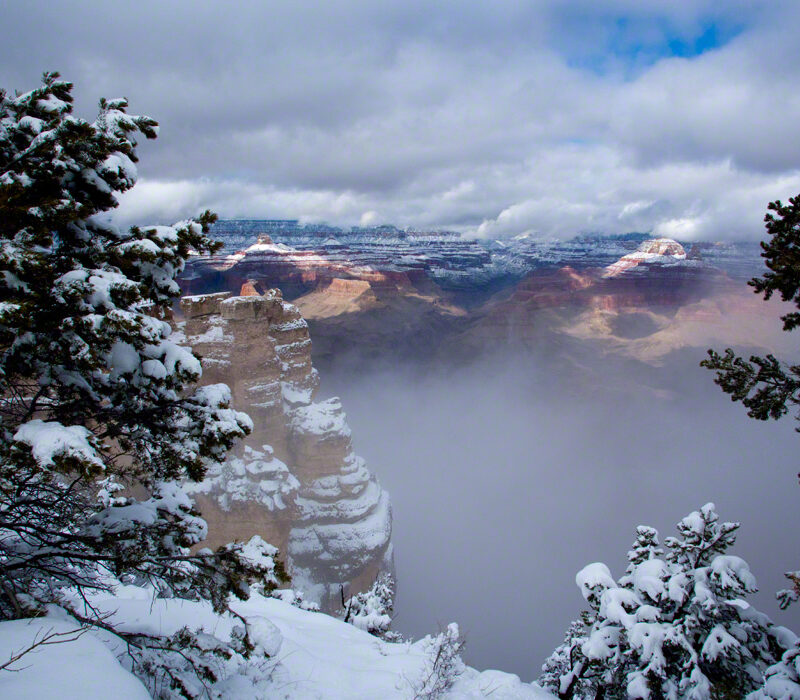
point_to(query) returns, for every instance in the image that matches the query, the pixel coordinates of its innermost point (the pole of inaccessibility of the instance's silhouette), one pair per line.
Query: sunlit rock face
(658, 251)
(648, 304)
(383, 295)
(295, 480)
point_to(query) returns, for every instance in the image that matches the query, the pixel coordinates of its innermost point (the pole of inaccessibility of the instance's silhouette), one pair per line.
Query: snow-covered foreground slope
(68, 670)
(313, 656)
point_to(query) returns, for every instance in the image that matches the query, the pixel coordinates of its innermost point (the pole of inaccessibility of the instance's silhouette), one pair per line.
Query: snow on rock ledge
(322, 418)
(663, 251)
(295, 480)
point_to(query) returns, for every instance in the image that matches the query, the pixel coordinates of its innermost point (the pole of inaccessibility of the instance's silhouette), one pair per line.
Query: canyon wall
(295, 480)
(650, 306)
(385, 297)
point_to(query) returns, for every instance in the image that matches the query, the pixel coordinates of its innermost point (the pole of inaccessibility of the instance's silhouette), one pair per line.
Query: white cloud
(686, 200)
(164, 201)
(368, 218)
(683, 229)
(440, 115)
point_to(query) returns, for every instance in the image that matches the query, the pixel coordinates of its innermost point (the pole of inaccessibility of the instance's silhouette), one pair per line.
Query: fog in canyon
(507, 477)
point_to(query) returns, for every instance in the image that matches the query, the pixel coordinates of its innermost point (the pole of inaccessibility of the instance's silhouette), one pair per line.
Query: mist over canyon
(504, 485)
(527, 405)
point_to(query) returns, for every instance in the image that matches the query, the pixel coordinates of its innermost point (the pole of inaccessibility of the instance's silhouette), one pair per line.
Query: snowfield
(70, 670)
(314, 656)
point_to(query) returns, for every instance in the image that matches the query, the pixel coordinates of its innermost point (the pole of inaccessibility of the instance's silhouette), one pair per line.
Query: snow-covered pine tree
(674, 627)
(443, 664)
(782, 680)
(372, 610)
(560, 672)
(95, 397)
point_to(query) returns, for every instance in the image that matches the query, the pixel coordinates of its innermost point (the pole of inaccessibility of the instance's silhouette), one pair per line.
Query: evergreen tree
(99, 418)
(673, 627)
(782, 680)
(372, 610)
(767, 387)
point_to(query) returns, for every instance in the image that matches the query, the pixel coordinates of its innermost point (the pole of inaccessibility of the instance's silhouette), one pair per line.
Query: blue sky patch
(628, 45)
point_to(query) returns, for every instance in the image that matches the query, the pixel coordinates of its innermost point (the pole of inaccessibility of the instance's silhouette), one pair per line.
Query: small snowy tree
(675, 626)
(644, 548)
(443, 664)
(372, 610)
(99, 419)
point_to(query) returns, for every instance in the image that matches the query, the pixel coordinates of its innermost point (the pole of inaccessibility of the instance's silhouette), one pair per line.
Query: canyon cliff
(295, 480)
(647, 304)
(386, 296)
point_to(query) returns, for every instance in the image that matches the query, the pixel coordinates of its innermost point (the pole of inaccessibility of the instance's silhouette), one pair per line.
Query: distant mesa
(662, 246)
(656, 250)
(379, 292)
(302, 258)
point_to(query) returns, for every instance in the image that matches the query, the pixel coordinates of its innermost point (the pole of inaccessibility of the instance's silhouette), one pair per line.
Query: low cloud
(504, 485)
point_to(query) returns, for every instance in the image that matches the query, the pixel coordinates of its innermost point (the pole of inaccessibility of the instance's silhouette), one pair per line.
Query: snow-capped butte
(657, 250)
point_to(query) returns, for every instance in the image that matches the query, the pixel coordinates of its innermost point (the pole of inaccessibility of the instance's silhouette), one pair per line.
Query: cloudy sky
(493, 118)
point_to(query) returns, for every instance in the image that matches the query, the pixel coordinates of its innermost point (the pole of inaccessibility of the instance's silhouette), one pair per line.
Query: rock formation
(295, 480)
(303, 264)
(646, 305)
(385, 295)
(302, 258)
(660, 251)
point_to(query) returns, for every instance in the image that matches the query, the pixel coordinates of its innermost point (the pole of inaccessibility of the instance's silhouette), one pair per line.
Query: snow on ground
(81, 669)
(318, 657)
(335, 660)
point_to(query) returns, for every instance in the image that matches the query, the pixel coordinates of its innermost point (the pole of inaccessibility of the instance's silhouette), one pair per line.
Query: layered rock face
(646, 305)
(295, 480)
(356, 311)
(301, 258)
(662, 251)
(302, 261)
(382, 294)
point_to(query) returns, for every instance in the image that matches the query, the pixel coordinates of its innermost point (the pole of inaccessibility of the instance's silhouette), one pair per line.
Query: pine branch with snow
(787, 596)
(781, 680)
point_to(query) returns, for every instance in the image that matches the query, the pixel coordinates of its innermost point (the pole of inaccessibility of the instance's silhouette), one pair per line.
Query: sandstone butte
(295, 481)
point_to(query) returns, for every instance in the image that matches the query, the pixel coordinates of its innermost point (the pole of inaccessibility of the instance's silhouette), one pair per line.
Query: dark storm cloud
(498, 118)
